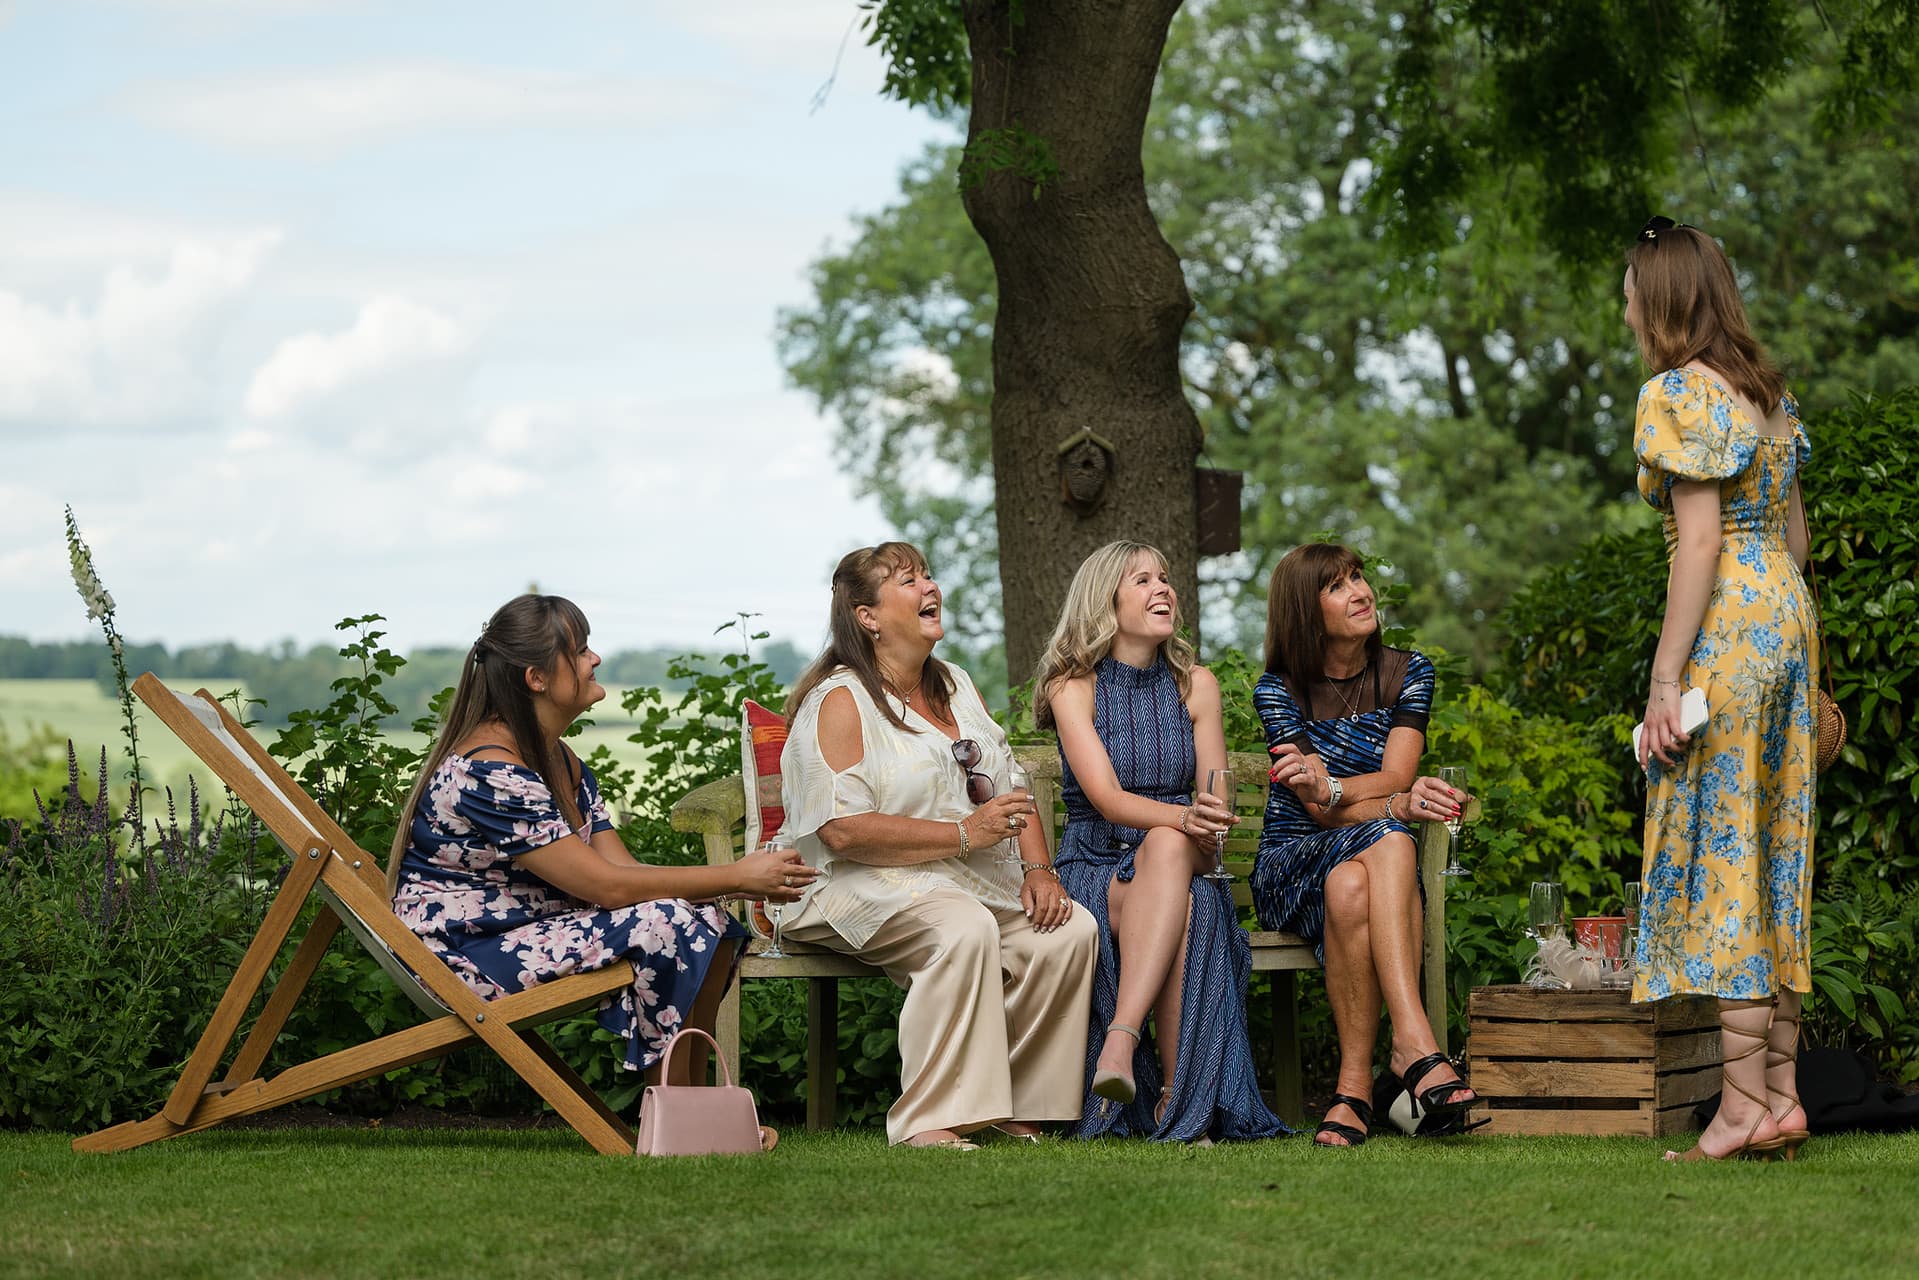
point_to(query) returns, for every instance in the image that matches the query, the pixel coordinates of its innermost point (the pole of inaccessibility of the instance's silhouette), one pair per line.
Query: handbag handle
(666, 1057)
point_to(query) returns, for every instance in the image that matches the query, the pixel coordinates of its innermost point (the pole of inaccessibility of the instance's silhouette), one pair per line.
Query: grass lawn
(464, 1203)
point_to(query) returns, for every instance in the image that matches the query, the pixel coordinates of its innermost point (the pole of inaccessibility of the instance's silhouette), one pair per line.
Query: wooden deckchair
(352, 889)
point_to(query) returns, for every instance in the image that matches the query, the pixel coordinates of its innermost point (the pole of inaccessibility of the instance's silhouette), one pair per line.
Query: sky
(313, 308)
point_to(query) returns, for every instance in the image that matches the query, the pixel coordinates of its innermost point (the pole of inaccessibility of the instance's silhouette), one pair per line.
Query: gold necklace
(893, 688)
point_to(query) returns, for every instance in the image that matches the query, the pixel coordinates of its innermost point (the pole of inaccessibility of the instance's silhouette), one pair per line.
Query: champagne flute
(774, 910)
(1454, 776)
(1219, 785)
(1017, 779)
(1545, 909)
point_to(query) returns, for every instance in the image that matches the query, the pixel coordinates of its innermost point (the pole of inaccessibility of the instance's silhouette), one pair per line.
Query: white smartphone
(1692, 717)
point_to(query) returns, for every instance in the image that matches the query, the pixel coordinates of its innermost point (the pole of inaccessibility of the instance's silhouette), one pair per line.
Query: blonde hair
(1089, 621)
(527, 632)
(856, 583)
(1686, 307)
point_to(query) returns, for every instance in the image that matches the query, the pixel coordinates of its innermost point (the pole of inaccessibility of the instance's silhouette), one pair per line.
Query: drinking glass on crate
(1219, 785)
(1454, 776)
(774, 910)
(1017, 779)
(1545, 911)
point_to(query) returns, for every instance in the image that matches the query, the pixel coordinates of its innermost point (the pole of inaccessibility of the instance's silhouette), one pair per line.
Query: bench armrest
(711, 810)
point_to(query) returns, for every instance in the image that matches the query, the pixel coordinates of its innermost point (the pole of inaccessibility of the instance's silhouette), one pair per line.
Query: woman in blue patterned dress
(515, 881)
(1338, 865)
(1729, 809)
(1136, 719)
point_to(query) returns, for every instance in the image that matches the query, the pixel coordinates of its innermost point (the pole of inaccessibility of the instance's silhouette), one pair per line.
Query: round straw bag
(1832, 730)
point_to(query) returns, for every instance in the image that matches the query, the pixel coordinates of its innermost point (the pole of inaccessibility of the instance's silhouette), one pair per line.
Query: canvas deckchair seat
(209, 717)
(351, 886)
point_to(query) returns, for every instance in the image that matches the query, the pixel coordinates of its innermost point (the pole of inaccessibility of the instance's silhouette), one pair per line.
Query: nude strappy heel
(1789, 1140)
(1747, 1150)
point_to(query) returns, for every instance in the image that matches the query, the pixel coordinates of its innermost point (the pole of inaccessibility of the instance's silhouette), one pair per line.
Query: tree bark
(1091, 302)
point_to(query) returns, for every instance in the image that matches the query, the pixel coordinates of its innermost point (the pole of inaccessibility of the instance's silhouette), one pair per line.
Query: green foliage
(690, 741)
(1581, 109)
(338, 753)
(1013, 149)
(928, 62)
(30, 769)
(112, 954)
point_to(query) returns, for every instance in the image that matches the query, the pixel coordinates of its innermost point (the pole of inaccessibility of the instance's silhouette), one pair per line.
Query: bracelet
(1031, 867)
(1334, 790)
(1389, 805)
(966, 846)
(1185, 817)
(1673, 683)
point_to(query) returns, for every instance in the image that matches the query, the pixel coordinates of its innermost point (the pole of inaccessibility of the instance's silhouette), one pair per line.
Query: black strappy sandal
(1430, 1112)
(1338, 1129)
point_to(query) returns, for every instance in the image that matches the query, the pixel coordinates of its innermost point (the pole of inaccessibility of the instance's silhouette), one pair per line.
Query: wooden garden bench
(716, 812)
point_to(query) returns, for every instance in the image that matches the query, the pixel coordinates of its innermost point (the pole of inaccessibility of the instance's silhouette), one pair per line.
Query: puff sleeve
(1685, 430)
(510, 809)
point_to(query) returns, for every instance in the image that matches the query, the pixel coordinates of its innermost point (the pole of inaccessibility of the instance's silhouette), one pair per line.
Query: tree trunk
(1091, 302)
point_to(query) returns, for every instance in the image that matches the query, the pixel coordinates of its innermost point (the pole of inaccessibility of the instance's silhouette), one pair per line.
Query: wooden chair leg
(726, 1028)
(1289, 1089)
(822, 1052)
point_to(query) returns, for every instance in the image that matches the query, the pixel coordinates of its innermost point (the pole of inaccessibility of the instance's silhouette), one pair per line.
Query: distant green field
(79, 711)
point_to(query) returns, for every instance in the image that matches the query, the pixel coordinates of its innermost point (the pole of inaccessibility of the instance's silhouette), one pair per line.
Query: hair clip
(1659, 222)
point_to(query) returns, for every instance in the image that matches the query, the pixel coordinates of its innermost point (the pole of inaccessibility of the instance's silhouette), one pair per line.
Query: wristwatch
(1334, 790)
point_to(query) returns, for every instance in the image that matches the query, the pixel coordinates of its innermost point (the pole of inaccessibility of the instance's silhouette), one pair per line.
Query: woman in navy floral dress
(515, 882)
(1136, 720)
(1338, 865)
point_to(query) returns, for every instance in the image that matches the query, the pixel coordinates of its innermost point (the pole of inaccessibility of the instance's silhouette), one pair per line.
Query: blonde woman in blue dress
(1729, 810)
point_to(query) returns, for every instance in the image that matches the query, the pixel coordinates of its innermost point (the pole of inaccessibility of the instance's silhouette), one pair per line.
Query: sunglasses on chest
(979, 787)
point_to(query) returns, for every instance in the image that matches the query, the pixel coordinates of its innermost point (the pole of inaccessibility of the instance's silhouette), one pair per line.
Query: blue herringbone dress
(1296, 854)
(1149, 738)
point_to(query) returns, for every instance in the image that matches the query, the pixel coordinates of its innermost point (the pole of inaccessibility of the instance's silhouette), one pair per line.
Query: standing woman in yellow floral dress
(1729, 810)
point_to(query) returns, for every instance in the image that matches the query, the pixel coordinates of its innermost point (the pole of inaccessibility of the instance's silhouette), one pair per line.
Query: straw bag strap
(666, 1058)
(1819, 616)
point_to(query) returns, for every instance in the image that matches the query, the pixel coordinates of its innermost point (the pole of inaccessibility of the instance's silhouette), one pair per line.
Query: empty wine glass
(1017, 779)
(1454, 776)
(1219, 785)
(774, 910)
(1545, 910)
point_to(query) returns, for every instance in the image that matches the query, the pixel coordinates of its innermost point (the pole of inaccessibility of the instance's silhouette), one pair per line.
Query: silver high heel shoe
(1115, 1086)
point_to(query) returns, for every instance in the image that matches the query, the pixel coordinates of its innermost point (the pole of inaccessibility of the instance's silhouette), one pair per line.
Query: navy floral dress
(1296, 854)
(504, 930)
(1148, 736)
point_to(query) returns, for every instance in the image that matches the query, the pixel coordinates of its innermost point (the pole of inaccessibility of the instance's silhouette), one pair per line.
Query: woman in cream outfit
(895, 782)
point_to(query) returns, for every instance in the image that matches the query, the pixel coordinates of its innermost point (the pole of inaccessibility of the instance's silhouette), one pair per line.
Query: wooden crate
(1590, 1062)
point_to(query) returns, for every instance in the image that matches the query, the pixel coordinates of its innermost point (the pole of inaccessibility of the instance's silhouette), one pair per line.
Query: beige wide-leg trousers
(994, 1025)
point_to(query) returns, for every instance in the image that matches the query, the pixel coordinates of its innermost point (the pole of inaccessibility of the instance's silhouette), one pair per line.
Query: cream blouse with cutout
(908, 775)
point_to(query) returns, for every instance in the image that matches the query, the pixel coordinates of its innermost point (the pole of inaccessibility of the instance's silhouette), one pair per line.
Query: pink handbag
(697, 1120)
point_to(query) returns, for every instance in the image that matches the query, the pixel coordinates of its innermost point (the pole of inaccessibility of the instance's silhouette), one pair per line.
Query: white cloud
(389, 333)
(370, 103)
(135, 354)
(803, 34)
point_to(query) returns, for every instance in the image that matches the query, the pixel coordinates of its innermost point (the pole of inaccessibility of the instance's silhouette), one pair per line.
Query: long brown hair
(1088, 622)
(1295, 623)
(856, 582)
(529, 632)
(1686, 307)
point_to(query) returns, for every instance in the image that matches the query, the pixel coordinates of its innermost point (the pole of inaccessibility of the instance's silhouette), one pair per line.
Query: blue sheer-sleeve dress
(502, 929)
(1148, 735)
(1349, 733)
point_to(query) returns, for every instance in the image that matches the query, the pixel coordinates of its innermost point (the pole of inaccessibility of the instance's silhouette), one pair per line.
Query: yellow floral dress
(1728, 857)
